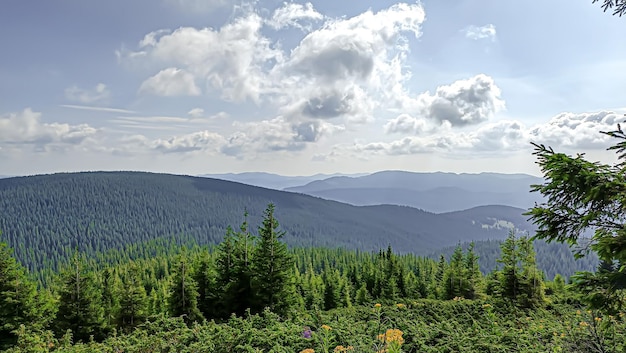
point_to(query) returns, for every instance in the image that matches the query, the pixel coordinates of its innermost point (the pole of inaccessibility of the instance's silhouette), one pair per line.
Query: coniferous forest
(251, 293)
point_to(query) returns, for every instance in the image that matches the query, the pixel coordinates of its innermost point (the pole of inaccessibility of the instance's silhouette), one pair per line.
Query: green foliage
(271, 267)
(20, 303)
(586, 197)
(519, 280)
(80, 303)
(183, 299)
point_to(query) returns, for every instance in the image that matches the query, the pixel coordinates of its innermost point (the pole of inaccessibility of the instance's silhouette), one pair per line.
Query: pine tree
(133, 301)
(271, 267)
(19, 300)
(208, 295)
(80, 303)
(183, 300)
(474, 276)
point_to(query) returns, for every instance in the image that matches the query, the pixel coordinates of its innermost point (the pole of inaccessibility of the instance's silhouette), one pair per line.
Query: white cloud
(198, 141)
(87, 96)
(464, 102)
(574, 132)
(170, 82)
(577, 130)
(196, 113)
(26, 128)
(98, 109)
(349, 48)
(293, 14)
(405, 123)
(230, 60)
(482, 32)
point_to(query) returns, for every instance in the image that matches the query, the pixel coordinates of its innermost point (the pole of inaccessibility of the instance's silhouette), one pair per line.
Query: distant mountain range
(273, 181)
(433, 192)
(47, 216)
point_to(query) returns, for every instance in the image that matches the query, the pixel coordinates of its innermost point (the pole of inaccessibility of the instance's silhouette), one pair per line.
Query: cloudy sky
(298, 88)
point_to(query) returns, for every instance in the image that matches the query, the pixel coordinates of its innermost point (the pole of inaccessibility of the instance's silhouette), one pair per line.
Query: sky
(299, 88)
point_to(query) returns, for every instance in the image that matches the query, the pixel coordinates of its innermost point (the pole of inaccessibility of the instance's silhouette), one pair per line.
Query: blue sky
(298, 88)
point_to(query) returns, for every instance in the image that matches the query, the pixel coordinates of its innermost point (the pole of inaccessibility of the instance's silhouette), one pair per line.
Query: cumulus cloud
(26, 128)
(294, 15)
(572, 131)
(405, 123)
(197, 141)
(464, 102)
(480, 32)
(88, 96)
(170, 82)
(348, 48)
(577, 130)
(230, 60)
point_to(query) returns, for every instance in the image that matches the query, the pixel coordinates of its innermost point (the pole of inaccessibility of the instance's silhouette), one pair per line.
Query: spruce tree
(271, 267)
(133, 301)
(19, 300)
(80, 303)
(183, 299)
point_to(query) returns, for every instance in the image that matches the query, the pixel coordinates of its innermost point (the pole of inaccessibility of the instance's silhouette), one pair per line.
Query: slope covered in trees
(46, 217)
(322, 299)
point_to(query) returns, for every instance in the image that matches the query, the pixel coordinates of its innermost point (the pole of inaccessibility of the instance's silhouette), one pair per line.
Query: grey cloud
(328, 106)
(464, 102)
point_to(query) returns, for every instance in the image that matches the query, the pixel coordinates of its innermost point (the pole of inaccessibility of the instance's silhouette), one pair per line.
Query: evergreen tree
(520, 280)
(271, 267)
(205, 277)
(133, 301)
(19, 300)
(183, 299)
(474, 276)
(80, 303)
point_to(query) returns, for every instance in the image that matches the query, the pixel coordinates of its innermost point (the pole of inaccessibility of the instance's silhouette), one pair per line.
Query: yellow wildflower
(391, 335)
(326, 327)
(308, 350)
(377, 305)
(583, 324)
(486, 305)
(401, 306)
(598, 319)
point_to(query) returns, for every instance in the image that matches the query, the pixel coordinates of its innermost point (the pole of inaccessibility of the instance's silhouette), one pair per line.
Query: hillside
(45, 217)
(434, 192)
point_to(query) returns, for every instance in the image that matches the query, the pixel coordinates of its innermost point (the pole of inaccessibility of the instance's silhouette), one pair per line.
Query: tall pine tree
(271, 267)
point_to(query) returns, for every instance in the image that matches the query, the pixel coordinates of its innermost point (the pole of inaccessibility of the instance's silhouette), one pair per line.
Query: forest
(251, 293)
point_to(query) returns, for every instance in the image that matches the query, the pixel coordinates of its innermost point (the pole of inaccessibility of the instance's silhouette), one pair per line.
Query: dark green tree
(584, 198)
(80, 303)
(133, 300)
(519, 280)
(19, 301)
(271, 267)
(183, 299)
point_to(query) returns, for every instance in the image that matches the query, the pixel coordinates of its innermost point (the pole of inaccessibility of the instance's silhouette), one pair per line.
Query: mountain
(434, 192)
(272, 181)
(46, 217)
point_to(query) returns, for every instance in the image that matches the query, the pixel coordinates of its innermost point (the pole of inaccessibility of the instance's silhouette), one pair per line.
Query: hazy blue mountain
(48, 216)
(434, 192)
(272, 181)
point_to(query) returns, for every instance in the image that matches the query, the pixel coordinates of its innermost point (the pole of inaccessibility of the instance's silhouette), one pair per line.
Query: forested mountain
(273, 181)
(45, 217)
(434, 192)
